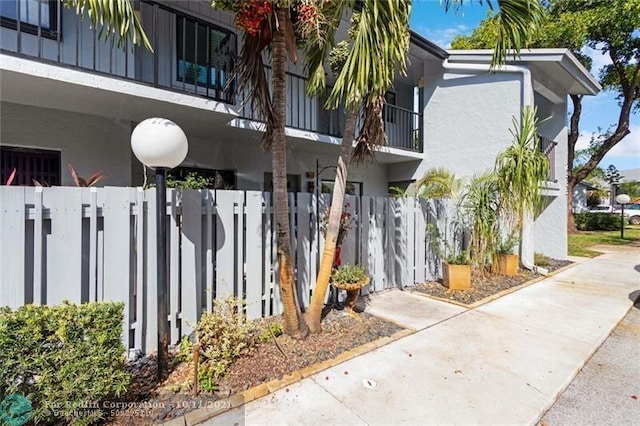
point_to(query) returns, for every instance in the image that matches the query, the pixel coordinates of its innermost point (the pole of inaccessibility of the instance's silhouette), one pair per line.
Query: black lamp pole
(161, 222)
(622, 222)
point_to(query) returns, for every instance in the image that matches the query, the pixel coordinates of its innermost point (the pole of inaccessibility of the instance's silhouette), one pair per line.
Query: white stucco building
(69, 98)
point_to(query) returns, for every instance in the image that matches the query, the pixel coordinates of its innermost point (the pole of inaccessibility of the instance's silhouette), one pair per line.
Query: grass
(580, 242)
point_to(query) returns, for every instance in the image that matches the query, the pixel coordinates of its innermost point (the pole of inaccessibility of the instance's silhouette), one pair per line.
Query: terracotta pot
(456, 277)
(507, 264)
(353, 291)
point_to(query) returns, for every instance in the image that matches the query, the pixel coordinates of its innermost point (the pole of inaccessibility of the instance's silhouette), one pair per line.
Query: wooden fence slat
(400, 227)
(174, 258)
(140, 252)
(191, 259)
(209, 254)
(151, 283)
(12, 226)
(255, 255)
(269, 266)
(366, 240)
(93, 245)
(117, 214)
(225, 253)
(380, 222)
(303, 245)
(66, 244)
(239, 234)
(419, 241)
(38, 282)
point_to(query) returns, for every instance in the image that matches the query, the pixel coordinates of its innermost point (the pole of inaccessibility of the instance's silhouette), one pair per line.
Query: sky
(429, 19)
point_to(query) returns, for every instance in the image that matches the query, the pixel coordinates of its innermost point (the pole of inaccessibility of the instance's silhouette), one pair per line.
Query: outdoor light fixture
(622, 199)
(161, 145)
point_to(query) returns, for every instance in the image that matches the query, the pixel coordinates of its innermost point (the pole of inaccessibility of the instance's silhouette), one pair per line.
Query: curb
(223, 405)
(500, 293)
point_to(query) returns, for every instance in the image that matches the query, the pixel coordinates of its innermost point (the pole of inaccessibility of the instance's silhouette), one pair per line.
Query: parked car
(601, 209)
(633, 211)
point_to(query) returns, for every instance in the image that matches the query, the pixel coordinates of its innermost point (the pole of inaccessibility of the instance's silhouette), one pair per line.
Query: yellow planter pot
(507, 264)
(456, 277)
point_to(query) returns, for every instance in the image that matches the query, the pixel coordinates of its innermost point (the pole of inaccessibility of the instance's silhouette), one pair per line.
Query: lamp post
(622, 199)
(161, 145)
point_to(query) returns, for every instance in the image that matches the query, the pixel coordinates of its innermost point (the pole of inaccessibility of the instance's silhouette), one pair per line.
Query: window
(293, 183)
(205, 56)
(352, 188)
(219, 179)
(389, 113)
(30, 164)
(31, 12)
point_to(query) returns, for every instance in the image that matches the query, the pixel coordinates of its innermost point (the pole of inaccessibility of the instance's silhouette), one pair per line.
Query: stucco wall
(88, 142)
(466, 122)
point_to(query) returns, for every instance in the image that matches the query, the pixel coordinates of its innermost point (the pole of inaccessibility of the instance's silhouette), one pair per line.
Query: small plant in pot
(351, 279)
(456, 271)
(505, 261)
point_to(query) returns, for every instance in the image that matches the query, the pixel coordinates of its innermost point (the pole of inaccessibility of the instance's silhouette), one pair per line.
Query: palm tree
(379, 41)
(438, 182)
(269, 24)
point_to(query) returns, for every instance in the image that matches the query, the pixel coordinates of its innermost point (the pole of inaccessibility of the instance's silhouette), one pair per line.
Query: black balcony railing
(302, 112)
(548, 148)
(190, 55)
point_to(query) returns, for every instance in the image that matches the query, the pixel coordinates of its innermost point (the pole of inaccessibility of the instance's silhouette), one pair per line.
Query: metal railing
(548, 148)
(190, 55)
(403, 128)
(302, 112)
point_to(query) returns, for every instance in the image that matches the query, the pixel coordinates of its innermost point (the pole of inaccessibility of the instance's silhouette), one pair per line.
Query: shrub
(65, 359)
(541, 260)
(597, 221)
(224, 335)
(349, 274)
(272, 330)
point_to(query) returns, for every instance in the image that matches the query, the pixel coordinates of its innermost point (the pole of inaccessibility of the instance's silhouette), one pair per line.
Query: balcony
(190, 55)
(548, 148)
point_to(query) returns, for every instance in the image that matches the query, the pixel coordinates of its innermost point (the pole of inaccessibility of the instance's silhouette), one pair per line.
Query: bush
(349, 274)
(65, 359)
(224, 335)
(597, 221)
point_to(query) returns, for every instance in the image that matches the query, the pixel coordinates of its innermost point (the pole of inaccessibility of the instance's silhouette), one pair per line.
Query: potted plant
(505, 262)
(456, 271)
(351, 279)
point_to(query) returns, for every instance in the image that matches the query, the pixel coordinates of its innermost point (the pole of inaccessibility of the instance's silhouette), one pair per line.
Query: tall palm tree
(379, 41)
(268, 29)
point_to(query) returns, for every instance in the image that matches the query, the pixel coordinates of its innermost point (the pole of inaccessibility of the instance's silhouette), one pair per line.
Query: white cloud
(629, 147)
(599, 59)
(443, 37)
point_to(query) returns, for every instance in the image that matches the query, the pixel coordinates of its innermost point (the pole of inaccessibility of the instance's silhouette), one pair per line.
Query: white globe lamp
(622, 199)
(160, 144)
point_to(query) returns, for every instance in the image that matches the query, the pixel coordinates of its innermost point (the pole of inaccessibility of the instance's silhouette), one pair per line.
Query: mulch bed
(153, 402)
(484, 286)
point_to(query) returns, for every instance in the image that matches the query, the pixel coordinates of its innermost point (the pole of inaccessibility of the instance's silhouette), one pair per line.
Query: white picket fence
(82, 244)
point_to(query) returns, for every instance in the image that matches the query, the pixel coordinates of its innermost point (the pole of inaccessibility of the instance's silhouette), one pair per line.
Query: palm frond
(113, 18)
(516, 20)
(371, 131)
(439, 182)
(252, 81)
(380, 35)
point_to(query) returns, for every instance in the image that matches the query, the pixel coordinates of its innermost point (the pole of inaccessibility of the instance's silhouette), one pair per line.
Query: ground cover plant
(580, 242)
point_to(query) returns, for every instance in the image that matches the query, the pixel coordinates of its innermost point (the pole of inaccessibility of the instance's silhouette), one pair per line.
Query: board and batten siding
(96, 244)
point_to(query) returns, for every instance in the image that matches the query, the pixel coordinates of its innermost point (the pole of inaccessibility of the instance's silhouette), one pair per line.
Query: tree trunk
(314, 314)
(294, 324)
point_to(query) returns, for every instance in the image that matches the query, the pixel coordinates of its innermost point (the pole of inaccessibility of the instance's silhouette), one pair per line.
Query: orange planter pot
(507, 264)
(456, 277)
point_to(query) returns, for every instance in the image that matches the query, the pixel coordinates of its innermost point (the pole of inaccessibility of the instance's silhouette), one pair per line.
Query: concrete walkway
(502, 363)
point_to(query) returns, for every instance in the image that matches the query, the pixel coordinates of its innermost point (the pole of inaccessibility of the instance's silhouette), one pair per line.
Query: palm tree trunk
(571, 223)
(294, 324)
(314, 314)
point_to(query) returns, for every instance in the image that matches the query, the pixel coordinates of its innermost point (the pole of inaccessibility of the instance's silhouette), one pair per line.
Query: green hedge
(66, 360)
(597, 221)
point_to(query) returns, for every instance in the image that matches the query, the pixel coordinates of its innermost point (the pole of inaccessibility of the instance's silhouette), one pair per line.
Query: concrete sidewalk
(502, 363)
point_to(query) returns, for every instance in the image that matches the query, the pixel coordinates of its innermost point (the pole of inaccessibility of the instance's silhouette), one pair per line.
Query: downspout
(526, 98)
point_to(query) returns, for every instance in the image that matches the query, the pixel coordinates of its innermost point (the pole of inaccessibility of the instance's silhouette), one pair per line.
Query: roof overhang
(427, 45)
(558, 65)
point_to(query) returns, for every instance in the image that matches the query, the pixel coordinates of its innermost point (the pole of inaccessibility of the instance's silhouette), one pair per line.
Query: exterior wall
(88, 142)
(550, 227)
(245, 156)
